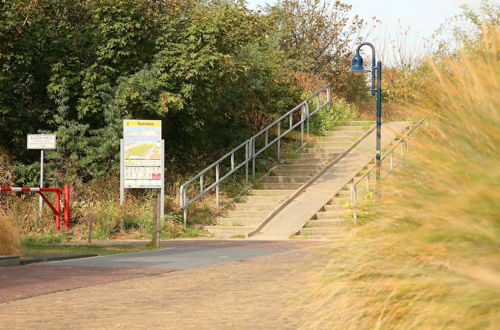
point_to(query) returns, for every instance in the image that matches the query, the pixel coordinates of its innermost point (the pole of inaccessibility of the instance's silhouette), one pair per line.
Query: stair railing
(246, 153)
(402, 144)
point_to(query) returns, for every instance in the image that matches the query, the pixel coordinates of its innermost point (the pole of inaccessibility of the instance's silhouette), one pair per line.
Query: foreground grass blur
(431, 259)
(9, 235)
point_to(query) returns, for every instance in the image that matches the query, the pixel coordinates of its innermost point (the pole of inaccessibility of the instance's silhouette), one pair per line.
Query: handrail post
(267, 137)
(353, 203)
(181, 202)
(184, 210)
(252, 142)
(279, 140)
(367, 182)
(247, 151)
(202, 188)
(307, 116)
(232, 161)
(302, 119)
(217, 170)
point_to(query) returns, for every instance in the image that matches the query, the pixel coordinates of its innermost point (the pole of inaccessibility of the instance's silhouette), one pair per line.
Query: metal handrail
(250, 148)
(355, 182)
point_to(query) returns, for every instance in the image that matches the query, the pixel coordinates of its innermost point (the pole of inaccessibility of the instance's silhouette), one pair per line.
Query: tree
(319, 38)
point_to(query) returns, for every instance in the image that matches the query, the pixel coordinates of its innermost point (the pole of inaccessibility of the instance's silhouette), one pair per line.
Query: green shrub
(339, 113)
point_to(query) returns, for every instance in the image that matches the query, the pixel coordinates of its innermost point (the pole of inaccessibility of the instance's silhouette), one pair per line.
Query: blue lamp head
(357, 65)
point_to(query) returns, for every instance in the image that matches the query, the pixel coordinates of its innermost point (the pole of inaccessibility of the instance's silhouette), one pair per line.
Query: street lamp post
(376, 70)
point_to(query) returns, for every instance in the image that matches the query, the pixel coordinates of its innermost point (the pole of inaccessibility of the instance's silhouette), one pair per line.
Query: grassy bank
(32, 246)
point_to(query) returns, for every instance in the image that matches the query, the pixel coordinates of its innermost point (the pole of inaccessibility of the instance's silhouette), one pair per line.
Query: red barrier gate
(57, 208)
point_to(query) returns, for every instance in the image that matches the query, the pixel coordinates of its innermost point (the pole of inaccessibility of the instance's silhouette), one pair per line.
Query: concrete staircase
(282, 181)
(334, 220)
(314, 213)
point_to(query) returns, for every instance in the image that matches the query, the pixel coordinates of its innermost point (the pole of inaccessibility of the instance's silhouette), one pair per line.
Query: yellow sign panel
(141, 123)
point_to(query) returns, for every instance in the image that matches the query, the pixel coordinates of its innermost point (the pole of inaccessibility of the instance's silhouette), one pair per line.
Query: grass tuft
(9, 235)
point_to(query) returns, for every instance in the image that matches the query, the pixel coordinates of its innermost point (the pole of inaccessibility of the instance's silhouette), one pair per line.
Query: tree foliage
(213, 71)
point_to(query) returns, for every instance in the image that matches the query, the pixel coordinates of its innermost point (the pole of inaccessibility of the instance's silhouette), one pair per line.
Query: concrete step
(231, 230)
(361, 122)
(334, 139)
(264, 199)
(320, 151)
(341, 210)
(308, 173)
(331, 214)
(331, 222)
(344, 194)
(323, 155)
(293, 167)
(306, 161)
(254, 207)
(312, 237)
(325, 231)
(284, 186)
(271, 192)
(329, 145)
(337, 200)
(285, 179)
(246, 214)
(350, 128)
(344, 134)
(340, 202)
(251, 222)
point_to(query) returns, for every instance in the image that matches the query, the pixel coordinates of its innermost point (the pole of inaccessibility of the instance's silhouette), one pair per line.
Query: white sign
(142, 154)
(41, 141)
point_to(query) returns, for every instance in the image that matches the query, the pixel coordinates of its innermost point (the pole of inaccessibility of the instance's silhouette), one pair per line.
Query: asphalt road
(178, 258)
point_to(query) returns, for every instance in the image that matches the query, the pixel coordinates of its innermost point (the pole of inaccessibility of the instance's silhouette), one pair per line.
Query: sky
(420, 18)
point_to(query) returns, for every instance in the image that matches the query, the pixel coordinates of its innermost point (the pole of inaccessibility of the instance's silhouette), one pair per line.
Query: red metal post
(66, 206)
(48, 202)
(58, 210)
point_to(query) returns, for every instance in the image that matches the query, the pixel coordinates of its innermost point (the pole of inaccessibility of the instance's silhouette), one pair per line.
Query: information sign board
(142, 159)
(41, 141)
(142, 154)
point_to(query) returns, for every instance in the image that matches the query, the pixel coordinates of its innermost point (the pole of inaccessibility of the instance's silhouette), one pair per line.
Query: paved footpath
(253, 292)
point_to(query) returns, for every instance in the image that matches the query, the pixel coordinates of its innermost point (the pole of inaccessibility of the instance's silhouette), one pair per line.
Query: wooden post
(156, 223)
(91, 222)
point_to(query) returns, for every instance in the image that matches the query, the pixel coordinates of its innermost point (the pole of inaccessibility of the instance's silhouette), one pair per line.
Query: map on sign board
(142, 154)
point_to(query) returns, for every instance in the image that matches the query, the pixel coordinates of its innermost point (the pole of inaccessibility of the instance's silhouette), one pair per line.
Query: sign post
(142, 160)
(41, 141)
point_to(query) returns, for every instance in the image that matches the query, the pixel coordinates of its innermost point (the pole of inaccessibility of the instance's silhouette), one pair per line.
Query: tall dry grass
(9, 235)
(431, 257)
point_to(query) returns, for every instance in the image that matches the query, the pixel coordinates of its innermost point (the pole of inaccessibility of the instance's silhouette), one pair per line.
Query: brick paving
(20, 282)
(250, 294)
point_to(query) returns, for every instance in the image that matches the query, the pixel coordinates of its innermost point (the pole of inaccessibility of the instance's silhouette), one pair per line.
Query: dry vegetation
(431, 259)
(9, 236)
